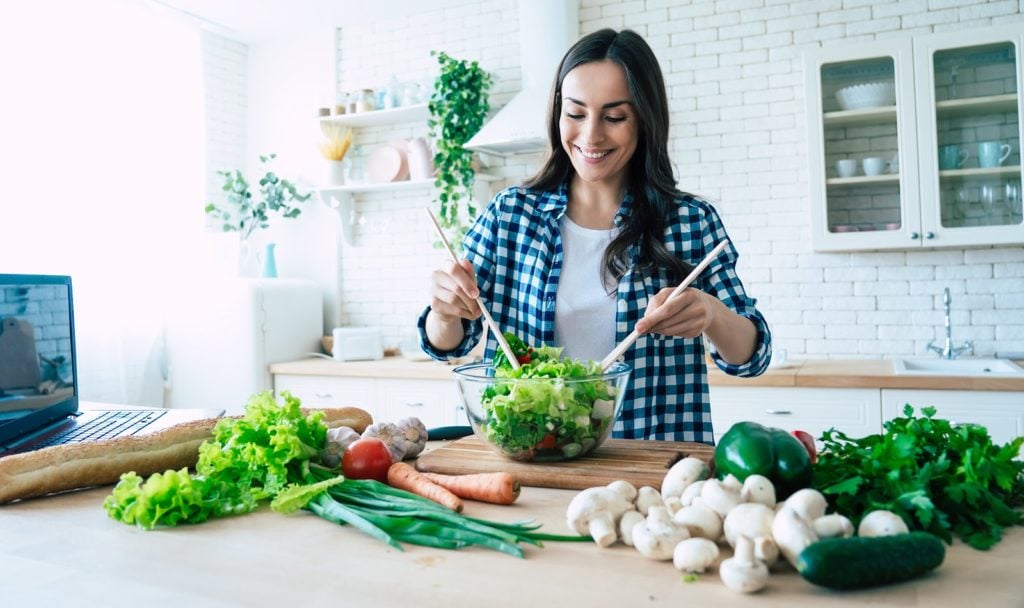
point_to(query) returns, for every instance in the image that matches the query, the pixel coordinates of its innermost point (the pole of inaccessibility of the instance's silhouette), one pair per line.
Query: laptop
(39, 398)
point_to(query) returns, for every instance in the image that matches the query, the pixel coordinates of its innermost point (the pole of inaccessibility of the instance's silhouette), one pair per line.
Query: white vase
(421, 159)
(334, 172)
(247, 259)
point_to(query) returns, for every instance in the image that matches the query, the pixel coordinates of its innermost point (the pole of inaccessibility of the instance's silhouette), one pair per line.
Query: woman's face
(598, 124)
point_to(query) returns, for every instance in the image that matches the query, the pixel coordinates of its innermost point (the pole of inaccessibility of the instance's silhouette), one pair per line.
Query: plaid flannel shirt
(516, 248)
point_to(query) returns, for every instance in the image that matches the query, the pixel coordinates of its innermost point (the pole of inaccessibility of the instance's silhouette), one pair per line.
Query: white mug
(846, 167)
(874, 165)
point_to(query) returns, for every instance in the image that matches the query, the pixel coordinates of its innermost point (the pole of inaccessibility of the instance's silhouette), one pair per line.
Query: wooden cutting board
(640, 462)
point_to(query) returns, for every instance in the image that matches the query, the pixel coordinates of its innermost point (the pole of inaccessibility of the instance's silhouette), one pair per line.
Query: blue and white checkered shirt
(516, 247)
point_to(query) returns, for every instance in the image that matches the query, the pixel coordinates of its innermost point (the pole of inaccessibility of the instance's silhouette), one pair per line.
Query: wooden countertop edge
(817, 373)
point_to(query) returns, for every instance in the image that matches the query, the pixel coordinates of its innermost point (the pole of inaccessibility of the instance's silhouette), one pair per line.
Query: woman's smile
(598, 125)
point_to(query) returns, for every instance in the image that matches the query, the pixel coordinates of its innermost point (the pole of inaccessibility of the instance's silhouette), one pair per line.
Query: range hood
(547, 28)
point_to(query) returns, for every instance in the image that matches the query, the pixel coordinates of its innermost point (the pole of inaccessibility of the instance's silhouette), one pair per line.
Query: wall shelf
(341, 198)
(377, 118)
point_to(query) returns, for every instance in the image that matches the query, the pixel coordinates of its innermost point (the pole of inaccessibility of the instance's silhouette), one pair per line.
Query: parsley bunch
(939, 477)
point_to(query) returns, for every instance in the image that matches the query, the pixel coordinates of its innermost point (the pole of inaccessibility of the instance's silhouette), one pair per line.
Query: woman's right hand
(454, 292)
(453, 295)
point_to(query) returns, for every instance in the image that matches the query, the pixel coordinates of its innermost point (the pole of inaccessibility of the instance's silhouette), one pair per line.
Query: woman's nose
(593, 130)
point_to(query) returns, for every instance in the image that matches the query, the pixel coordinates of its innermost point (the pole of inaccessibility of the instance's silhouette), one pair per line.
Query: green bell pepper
(749, 448)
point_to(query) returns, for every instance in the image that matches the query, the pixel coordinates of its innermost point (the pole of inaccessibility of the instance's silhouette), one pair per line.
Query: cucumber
(861, 562)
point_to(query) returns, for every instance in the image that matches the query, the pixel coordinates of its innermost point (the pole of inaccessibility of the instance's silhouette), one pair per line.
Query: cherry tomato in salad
(548, 443)
(367, 458)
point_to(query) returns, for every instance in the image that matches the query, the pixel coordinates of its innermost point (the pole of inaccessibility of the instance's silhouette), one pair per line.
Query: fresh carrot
(405, 477)
(497, 488)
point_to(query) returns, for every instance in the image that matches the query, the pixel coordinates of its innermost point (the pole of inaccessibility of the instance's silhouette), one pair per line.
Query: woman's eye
(573, 116)
(615, 118)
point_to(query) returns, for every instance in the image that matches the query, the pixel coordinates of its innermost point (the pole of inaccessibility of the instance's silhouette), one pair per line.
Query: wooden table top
(63, 550)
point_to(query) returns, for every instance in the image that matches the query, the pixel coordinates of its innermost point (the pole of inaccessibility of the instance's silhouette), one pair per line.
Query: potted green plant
(243, 214)
(458, 107)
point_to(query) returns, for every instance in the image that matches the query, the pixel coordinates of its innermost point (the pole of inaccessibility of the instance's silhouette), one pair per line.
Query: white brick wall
(224, 79)
(736, 88)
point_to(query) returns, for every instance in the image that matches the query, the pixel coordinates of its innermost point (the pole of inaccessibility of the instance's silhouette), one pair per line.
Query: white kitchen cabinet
(854, 411)
(1001, 412)
(953, 91)
(435, 402)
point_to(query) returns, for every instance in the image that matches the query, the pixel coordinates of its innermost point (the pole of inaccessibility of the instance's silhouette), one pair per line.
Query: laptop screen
(38, 379)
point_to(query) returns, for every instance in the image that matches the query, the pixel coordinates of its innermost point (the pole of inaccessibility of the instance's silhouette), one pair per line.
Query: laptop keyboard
(105, 426)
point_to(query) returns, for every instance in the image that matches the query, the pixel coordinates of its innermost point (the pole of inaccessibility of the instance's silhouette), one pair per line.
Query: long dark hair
(651, 180)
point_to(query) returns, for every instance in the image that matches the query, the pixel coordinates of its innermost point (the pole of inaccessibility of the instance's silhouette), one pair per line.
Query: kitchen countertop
(63, 550)
(822, 373)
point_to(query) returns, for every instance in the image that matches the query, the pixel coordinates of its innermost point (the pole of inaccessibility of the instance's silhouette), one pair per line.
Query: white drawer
(433, 402)
(854, 411)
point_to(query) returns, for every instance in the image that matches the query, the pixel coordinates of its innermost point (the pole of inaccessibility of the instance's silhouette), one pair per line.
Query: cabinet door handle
(413, 404)
(324, 395)
(778, 412)
(929, 235)
(914, 236)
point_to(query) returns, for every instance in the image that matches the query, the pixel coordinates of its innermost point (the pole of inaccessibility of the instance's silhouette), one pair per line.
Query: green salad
(546, 419)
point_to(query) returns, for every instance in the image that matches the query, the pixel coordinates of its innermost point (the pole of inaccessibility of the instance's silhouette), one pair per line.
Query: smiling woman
(104, 135)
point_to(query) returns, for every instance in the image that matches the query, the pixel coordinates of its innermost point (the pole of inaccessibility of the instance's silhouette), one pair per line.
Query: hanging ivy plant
(458, 107)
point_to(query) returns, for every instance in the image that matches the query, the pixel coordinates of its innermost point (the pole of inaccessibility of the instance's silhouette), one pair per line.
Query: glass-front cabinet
(916, 142)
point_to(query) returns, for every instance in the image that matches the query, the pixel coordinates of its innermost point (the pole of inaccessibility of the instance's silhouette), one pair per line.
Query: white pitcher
(421, 159)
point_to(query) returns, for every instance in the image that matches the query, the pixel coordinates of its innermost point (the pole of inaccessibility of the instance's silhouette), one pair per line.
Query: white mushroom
(766, 550)
(624, 489)
(881, 523)
(831, 526)
(682, 474)
(743, 572)
(596, 511)
(692, 491)
(732, 482)
(792, 533)
(753, 520)
(719, 497)
(750, 519)
(657, 537)
(673, 504)
(758, 488)
(627, 522)
(646, 498)
(695, 555)
(809, 503)
(700, 521)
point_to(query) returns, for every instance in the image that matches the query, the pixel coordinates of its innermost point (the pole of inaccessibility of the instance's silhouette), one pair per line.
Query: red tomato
(367, 458)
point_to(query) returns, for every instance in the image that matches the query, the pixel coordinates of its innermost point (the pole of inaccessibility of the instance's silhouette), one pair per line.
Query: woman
(592, 246)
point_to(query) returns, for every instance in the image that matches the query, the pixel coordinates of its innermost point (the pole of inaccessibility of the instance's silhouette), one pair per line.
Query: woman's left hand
(686, 316)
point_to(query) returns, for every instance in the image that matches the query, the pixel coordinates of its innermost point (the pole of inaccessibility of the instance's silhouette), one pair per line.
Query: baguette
(94, 463)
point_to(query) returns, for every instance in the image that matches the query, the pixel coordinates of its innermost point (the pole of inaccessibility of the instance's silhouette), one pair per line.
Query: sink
(956, 367)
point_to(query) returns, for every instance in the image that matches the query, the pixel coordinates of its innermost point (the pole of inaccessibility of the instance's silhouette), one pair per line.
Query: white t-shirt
(584, 310)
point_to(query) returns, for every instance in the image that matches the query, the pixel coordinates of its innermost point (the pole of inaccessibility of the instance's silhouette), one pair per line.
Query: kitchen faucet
(948, 351)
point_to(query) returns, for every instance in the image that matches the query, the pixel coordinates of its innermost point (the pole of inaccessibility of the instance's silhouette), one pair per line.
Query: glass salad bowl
(541, 419)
